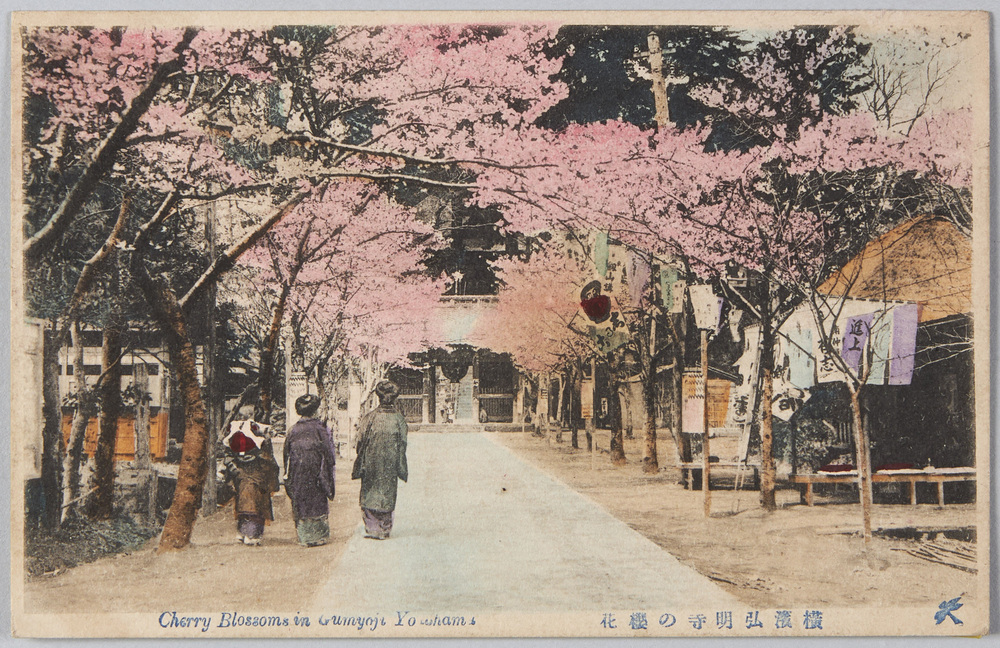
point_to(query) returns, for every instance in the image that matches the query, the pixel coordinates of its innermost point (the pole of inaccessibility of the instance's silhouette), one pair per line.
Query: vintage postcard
(494, 324)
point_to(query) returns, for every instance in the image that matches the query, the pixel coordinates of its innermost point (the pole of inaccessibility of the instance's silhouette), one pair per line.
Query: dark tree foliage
(601, 64)
(474, 242)
(820, 80)
(595, 68)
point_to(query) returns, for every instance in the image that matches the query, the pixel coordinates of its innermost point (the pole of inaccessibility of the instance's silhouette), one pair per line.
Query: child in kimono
(251, 468)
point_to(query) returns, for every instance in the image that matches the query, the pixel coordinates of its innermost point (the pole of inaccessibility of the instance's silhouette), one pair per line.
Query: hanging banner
(744, 396)
(601, 253)
(734, 319)
(639, 273)
(606, 326)
(668, 277)
(608, 338)
(616, 277)
(881, 336)
(801, 363)
(707, 307)
(905, 318)
(856, 334)
(679, 291)
(786, 402)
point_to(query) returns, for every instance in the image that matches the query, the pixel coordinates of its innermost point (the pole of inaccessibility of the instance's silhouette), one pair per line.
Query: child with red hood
(251, 467)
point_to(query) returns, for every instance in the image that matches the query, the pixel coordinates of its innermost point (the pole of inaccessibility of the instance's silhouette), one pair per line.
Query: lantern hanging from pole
(707, 307)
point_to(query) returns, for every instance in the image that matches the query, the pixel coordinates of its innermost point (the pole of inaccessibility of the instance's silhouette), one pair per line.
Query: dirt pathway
(478, 530)
(213, 573)
(795, 554)
(477, 527)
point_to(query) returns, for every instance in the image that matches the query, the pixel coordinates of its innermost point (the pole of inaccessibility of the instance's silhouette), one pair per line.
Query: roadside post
(707, 307)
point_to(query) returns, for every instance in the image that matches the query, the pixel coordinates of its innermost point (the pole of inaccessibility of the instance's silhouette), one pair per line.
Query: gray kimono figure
(381, 461)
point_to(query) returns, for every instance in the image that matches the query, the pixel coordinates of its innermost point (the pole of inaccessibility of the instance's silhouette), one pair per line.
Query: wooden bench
(728, 450)
(688, 469)
(935, 476)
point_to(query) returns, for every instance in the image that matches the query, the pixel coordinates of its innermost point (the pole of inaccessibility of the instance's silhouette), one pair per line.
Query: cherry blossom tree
(184, 115)
(793, 212)
(634, 185)
(535, 319)
(346, 266)
(87, 117)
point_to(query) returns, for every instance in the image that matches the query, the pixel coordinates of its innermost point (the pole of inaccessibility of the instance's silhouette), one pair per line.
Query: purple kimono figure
(381, 461)
(310, 468)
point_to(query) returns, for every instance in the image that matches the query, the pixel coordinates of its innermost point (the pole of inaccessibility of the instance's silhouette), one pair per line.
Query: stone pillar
(296, 384)
(353, 414)
(518, 398)
(542, 424)
(475, 388)
(430, 395)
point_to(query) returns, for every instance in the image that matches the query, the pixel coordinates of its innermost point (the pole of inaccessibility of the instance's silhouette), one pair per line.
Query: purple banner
(856, 334)
(638, 276)
(904, 344)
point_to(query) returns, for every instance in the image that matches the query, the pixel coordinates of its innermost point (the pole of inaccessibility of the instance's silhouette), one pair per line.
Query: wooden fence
(125, 443)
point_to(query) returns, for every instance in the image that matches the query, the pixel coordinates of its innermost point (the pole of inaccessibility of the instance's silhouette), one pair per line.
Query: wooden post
(590, 426)
(768, 472)
(53, 447)
(143, 454)
(213, 396)
(705, 458)
(542, 408)
(659, 84)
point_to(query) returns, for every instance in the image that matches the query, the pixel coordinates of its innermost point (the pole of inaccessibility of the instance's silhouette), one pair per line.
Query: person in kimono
(381, 461)
(253, 472)
(310, 468)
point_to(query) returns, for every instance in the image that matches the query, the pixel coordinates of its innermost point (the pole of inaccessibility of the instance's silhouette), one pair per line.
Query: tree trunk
(576, 387)
(863, 464)
(650, 462)
(767, 467)
(682, 440)
(430, 388)
(267, 354)
(194, 466)
(214, 405)
(628, 419)
(327, 413)
(561, 406)
(110, 391)
(78, 428)
(52, 438)
(615, 414)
